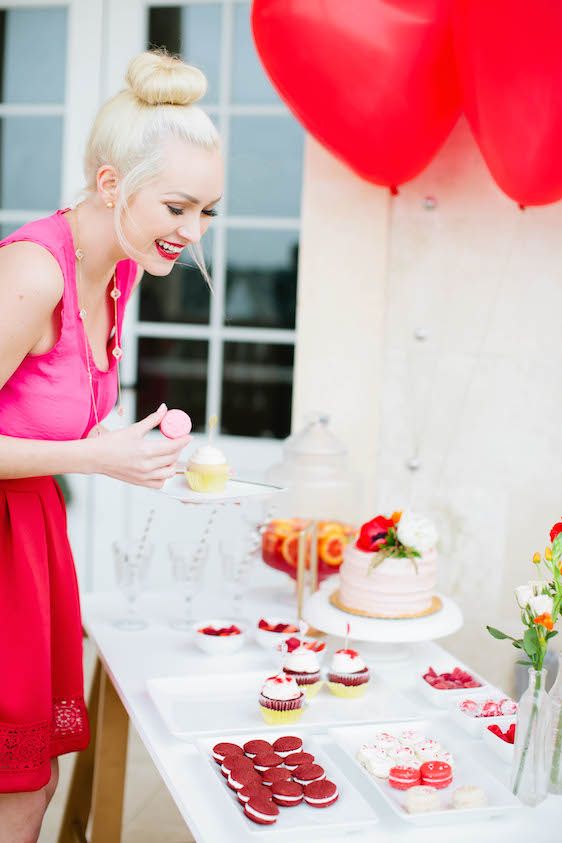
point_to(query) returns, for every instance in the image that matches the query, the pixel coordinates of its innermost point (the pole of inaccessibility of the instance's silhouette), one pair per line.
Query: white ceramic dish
(444, 697)
(188, 704)
(466, 771)
(350, 813)
(475, 726)
(498, 746)
(214, 645)
(235, 491)
(271, 640)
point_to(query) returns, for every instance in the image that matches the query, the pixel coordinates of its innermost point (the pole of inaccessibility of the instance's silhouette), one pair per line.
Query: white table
(130, 658)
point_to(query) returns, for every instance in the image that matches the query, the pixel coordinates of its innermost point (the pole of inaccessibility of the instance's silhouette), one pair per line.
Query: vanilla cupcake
(302, 665)
(348, 675)
(281, 700)
(207, 470)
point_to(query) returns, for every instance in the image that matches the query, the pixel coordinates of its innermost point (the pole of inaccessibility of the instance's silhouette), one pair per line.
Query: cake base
(436, 606)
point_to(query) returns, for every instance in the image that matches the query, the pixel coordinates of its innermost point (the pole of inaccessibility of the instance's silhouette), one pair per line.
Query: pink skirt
(42, 709)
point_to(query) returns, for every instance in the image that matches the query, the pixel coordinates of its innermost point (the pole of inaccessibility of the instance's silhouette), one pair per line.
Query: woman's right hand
(131, 456)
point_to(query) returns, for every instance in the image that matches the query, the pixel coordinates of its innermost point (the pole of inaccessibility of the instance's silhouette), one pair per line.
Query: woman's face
(175, 209)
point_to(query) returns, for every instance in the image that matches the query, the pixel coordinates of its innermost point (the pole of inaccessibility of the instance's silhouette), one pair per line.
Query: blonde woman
(153, 176)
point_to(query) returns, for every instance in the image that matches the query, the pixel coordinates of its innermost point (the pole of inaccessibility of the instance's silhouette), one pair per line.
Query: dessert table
(128, 660)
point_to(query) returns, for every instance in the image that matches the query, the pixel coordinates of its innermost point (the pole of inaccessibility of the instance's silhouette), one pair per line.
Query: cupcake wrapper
(310, 691)
(281, 705)
(304, 678)
(350, 679)
(281, 718)
(347, 691)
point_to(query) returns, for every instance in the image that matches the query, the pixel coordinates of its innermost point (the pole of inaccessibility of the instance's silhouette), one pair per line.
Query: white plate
(188, 704)
(475, 726)
(443, 697)
(349, 813)
(501, 748)
(235, 490)
(465, 771)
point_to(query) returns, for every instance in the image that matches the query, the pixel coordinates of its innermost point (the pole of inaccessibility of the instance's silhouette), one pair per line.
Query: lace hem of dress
(29, 747)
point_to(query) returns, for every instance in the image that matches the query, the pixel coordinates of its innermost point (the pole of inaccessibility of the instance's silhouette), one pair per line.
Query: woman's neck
(93, 231)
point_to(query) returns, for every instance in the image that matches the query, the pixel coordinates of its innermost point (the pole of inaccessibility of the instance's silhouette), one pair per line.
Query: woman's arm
(31, 286)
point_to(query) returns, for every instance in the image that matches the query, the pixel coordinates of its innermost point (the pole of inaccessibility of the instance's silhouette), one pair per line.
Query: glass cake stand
(389, 639)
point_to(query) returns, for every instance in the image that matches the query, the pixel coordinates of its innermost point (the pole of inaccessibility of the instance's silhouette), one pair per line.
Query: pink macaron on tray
(271, 782)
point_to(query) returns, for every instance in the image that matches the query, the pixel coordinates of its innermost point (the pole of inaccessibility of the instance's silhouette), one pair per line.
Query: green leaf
(557, 548)
(525, 662)
(496, 633)
(531, 643)
(518, 644)
(551, 634)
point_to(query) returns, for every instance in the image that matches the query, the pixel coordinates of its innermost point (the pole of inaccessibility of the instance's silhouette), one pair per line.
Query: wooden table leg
(98, 780)
(78, 801)
(110, 764)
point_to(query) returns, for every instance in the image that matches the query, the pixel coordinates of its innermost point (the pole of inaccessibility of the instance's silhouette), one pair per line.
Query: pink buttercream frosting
(395, 587)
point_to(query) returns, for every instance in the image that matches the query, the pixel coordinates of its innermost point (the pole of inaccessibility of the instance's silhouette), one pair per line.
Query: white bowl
(501, 748)
(444, 696)
(475, 726)
(270, 640)
(215, 645)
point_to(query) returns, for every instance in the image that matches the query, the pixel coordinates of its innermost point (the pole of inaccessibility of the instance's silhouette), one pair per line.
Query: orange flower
(544, 620)
(396, 516)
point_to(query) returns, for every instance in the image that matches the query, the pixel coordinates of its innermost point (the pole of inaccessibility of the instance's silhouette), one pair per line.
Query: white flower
(523, 594)
(540, 604)
(416, 531)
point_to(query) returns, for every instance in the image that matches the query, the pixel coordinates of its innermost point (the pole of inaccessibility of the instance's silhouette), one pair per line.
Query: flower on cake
(405, 535)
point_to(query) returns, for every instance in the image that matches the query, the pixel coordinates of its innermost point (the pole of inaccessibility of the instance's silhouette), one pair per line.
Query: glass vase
(530, 771)
(554, 738)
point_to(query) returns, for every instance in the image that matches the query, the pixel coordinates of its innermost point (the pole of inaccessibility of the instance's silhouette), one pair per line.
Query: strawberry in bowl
(270, 632)
(219, 637)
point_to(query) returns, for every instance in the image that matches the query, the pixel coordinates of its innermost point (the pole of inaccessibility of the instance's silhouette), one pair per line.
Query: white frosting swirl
(208, 455)
(302, 660)
(347, 661)
(280, 687)
(416, 531)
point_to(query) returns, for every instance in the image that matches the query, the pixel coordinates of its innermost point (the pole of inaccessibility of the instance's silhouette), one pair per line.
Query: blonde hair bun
(157, 78)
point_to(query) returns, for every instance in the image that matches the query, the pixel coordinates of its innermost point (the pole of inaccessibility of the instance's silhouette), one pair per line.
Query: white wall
(480, 396)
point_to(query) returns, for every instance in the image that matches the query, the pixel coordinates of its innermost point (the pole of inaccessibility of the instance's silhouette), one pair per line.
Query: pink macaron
(175, 424)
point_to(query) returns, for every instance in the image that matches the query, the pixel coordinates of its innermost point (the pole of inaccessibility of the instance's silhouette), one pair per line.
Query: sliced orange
(330, 527)
(283, 527)
(330, 549)
(290, 549)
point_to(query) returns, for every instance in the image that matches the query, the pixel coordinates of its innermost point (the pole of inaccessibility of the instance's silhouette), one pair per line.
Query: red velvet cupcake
(349, 675)
(281, 700)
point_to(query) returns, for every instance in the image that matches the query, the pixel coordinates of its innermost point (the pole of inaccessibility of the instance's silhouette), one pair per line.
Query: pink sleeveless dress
(42, 709)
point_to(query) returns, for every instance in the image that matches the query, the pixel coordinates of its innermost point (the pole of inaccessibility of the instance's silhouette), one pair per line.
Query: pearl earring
(109, 205)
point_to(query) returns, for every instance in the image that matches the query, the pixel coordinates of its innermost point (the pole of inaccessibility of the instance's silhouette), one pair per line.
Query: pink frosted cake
(391, 571)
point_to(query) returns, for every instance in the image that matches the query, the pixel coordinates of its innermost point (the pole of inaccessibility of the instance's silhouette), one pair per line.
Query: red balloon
(510, 63)
(373, 80)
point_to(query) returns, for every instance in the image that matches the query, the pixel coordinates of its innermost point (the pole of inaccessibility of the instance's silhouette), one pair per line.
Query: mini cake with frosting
(207, 470)
(281, 700)
(391, 570)
(348, 675)
(302, 664)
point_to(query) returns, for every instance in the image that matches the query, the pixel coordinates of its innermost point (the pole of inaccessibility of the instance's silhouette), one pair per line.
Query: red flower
(555, 530)
(373, 534)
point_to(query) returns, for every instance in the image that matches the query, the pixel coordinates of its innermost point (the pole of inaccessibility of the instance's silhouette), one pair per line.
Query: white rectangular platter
(192, 706)
(235, 490)
(465, 772)
(351, 812)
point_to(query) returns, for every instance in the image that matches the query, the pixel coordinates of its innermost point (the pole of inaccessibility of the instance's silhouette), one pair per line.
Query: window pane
(173, 371)
(33, 45)
(257, 389)
(8, 227)
(181, 296)
(250, 85)
(30, 162)
(195, 33)
(265, 166)
(261, 278)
